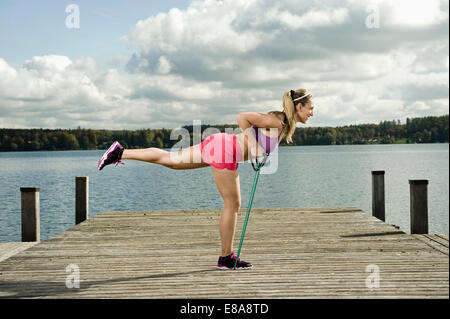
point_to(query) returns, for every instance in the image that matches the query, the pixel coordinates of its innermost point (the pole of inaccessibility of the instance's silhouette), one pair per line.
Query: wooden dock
(297, 253)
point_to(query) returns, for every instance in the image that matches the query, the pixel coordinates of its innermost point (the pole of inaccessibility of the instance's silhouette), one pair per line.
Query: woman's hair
(289, 111)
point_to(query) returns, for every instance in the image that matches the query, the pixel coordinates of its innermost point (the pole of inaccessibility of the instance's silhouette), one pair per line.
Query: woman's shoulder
(280, 116)
(261, 120)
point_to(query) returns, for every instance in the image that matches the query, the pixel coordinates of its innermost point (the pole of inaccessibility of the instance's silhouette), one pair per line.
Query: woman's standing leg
(227, 182)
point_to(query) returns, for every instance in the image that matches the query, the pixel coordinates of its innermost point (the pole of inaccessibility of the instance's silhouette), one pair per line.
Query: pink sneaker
(112, 156)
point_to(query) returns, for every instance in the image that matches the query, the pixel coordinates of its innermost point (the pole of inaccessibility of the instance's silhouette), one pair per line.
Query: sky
(115, 64)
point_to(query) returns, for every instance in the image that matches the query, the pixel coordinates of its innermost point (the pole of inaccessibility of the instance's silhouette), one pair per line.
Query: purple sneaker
(227, 263)
(112, 156)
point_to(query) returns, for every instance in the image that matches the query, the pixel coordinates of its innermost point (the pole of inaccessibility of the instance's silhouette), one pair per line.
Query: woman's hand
(255, 150)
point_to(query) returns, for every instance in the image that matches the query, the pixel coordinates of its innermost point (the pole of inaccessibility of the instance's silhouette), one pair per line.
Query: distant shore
(432, 129)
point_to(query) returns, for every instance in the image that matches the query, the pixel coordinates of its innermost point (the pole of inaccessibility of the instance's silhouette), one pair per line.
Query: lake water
(306, 176)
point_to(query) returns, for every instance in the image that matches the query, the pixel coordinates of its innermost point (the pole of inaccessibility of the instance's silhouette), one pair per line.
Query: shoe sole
(111, 149)
(240, 268)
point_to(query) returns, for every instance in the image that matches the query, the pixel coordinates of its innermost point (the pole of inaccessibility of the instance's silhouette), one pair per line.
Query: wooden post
(419, 206)
(31, 228)
(378, 202)
(81, 199)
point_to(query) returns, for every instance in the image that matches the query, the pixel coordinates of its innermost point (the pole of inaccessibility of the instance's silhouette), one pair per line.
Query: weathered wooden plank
(8, 250)
(438, 239)
(435, 242)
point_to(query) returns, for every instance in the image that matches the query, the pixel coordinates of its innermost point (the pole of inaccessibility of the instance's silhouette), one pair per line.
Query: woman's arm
(247, 119)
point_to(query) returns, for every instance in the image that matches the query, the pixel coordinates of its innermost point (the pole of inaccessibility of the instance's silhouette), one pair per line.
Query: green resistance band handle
(257, 170)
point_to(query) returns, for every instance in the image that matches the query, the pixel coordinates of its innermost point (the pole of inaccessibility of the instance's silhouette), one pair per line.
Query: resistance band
(257, 170)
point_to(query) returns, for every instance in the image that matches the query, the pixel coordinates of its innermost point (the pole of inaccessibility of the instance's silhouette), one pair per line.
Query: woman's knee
(233, 205)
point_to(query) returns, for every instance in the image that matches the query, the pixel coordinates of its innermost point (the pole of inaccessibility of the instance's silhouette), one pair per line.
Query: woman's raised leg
(188, 158)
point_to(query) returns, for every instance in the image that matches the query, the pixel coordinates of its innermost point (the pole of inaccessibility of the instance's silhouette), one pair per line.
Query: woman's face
(305, 112)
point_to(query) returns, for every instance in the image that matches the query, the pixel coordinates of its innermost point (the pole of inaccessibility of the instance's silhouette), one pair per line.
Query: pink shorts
(221, 150)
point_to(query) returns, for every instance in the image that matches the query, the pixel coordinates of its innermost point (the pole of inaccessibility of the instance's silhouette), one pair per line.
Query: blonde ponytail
(289, 111)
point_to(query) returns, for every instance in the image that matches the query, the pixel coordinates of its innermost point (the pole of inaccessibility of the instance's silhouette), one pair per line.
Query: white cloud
(164, 65)
(308, 20)
(6, 71)
(415, 12)
(206, 24)
(47, 66)
(418, 106)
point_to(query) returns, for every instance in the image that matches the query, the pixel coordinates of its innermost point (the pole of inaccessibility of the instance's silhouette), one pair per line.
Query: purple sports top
(270, 144)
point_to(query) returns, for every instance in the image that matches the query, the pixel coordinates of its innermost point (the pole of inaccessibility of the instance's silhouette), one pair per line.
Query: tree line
(431, 129)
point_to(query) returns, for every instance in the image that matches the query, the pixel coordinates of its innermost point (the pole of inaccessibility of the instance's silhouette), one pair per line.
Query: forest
(430, 129)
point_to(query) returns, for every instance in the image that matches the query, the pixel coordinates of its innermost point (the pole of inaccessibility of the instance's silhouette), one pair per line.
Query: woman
(223, 152)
